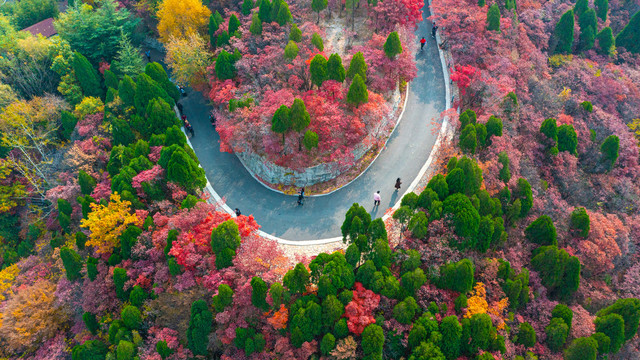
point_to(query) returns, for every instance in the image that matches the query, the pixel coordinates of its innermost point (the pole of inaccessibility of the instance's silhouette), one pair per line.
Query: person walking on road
(180, 108)
(376, 199)
(398, 183)
(422, 42)
(434, 29)
(301, 197)
(212, 120)
(238, 213)
(189, 128)
(148, 53)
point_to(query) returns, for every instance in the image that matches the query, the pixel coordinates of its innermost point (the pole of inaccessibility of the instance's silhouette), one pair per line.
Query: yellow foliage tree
(107, 223)
(10, 194)
(7, 276)
(477, 304)
(181, 18)
(635, 127)
(188, 59)
(31, 317)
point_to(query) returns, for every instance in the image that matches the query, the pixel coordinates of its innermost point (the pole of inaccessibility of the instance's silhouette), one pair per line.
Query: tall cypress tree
(256, 25)
(317, 6)
(284, 14)
(265, 11)
(493, 18)
(357, 66)
(72, 263)
(146, 90)
(605, 41)
(225, 66)
(87, 76)
(127, 91)
(358, 93)
(580, 7)
(159, 75)
(602, 9)
(234, 24)
(281, 121)
(335, 70)
(564, 32)
(213, 27)
(629, 37)
(300, 118)
(199, 327)
(588, 28)
(318, 70)
(247, 6)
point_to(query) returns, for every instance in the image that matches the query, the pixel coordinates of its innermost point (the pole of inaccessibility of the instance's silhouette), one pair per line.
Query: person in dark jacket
(398, 183)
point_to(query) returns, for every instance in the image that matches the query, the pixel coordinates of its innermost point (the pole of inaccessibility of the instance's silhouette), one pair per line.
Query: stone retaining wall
(266, 171)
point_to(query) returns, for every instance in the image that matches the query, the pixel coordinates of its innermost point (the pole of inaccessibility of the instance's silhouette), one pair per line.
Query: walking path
(406, 153)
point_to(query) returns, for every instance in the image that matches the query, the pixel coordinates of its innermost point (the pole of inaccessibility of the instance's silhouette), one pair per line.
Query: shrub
(419, 225)
(125, 350)
(259, 293)
(372, 341)
(559, 271)
(223, 299)
(457, 276)
(526, 335)
(563, 312)
(439, 185)
(557, 332)
(567, 139)
(542, 231)
(137, 296)
(316, 40)
(468, 139)
(460, 303)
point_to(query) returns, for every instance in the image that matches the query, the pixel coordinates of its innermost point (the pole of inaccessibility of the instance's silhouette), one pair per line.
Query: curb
(404, 107)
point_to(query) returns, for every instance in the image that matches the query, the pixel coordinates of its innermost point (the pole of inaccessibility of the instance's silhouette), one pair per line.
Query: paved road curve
(321, 217)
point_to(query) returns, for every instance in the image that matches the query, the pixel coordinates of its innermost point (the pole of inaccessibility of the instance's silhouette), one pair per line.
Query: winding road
(320, 217)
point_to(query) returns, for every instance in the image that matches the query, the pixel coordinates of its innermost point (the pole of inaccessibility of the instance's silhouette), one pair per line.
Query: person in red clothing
(422, 42)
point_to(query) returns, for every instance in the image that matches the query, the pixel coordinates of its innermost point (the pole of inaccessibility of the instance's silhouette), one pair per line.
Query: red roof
(44, 27)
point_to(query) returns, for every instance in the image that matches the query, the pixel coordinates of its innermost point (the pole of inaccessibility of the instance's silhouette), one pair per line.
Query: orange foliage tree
(107, 223)
(279, 318)
(181, 18)
(30, 317)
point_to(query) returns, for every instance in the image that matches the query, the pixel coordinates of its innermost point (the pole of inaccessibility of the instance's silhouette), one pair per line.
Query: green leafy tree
(358, 93)
(523, 193)
(87, 76)
(559, 271)
(609, 149)
(357, 66)
(328, 342)
(259, 293)
(494, 128)
(405, 310)
(493, 18)
(318, 70)
(542, 231)
(451, 331)
(127, 91)
(137, 296)
(564, 32)
(199, 327)
(310, 140)
(602, 9)
(464, 217)
(393, 46)
(72, 263)
(563, 312)
(96, 32)
(291, 50)
(127, 60)
(90, 322)
(225, 239)
(606, 42)
(317, 6)
(256, 24)
(629, 37)
(29, 12)
(457, 276)
(125, 350)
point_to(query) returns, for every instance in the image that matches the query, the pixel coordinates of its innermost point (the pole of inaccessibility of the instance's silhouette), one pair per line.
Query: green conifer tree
(234, 24)
(281, 121)
(225, 66)
(291, 50)
(335, 70)
(199, 327)
(317, 6)
(588, 29)
(295, 34)
(357, 66)
(602, 9)
(629, 37)
(392, 47)
(564, 32)
(256, 25)
(358, 93)
(493, 18)
(72, 263)
(265, 11)
(87, 76)
(247, 6)
(605, 41)
(127, 91)
(318, 70)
